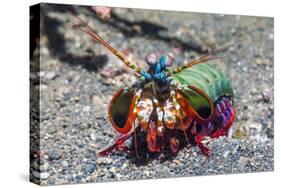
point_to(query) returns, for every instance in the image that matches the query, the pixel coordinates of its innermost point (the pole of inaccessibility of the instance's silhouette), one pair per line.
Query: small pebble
(54, 154)
(147, 173)
(177, 162)
(86, 109)
(243, 161)
(41, 176)
(104, 160)
(93, 136)
(44, 175)
(50, 75)
(36, 174)
(124, 166)
(113, 170)
(65, 164)
(89, 168)
(44, 167)
(226, 153)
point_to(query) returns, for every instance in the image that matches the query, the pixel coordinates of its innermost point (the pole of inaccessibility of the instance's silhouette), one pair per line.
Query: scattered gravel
(78, 78)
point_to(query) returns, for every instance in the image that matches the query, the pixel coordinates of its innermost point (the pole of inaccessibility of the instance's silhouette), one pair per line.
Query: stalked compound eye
(151, 58)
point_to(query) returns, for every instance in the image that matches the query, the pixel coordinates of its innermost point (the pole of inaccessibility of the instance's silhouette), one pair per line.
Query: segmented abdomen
(207, 78)
(218, 88)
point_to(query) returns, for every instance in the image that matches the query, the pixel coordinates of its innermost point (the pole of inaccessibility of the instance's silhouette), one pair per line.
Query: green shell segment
(207, 78)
